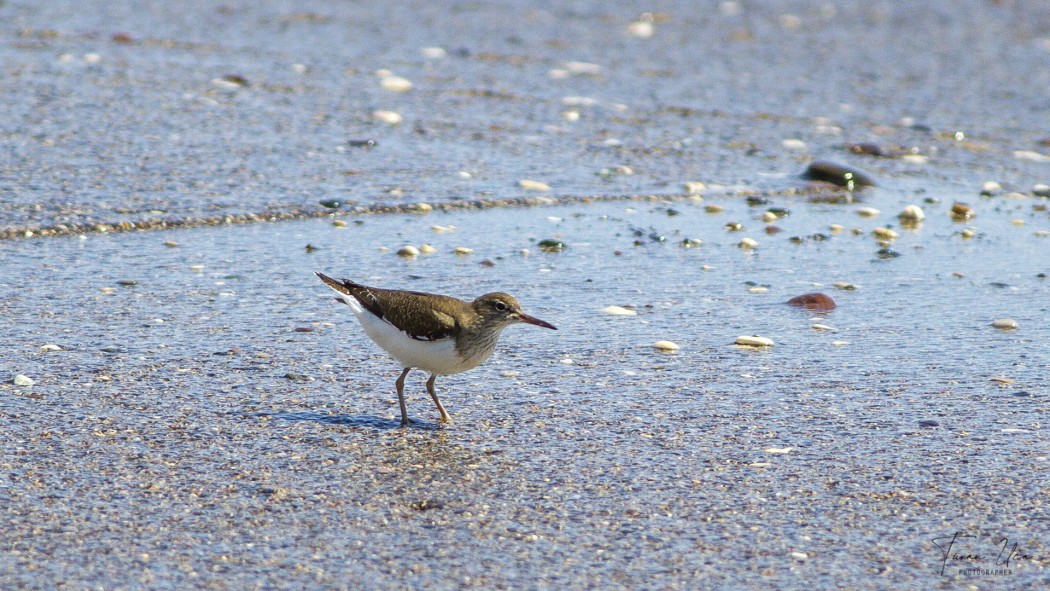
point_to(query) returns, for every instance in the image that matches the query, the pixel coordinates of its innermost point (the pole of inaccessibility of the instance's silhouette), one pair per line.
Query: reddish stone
(813, 301)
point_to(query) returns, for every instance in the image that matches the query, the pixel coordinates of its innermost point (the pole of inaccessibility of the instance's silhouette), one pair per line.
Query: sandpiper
(435, 333)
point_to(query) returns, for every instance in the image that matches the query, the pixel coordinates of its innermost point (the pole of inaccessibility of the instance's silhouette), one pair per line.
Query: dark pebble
(929, 423)
(550, 245)
(867, 149)
(304, 329)
(331, 203)
(813, 301)
(887, 253)
(361, 143)
(838, 174)
(756, 201)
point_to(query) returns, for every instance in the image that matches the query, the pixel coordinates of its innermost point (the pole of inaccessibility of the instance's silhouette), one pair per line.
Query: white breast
(438, 356)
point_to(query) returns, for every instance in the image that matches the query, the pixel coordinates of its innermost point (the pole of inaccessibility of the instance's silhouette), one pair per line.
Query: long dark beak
(535, 321)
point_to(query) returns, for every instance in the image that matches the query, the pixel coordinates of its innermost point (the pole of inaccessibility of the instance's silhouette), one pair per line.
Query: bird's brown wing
(431, 319)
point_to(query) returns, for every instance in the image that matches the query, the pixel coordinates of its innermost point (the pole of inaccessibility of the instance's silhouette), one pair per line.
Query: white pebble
(913, 213)
(991, 187)
(868, 212)
(666, 346)
(819, 326)
(567, 361)
(793, 144)
(463, 250)
(754, 341)
(395, 84)
(619, 311)
(642, 29)
(433, 53)
(799, 555)
(571, 116)
(769, 217)
(694, 187)
(777, 450)
(408, 251)
(586, 68)
(442, 229)
(758, 289)
(748, 243)
(50, 348)
(92, 58)
(533, 185)
(389, 117)
(839, 343)
(915, 158)
(21, 380)
(427, 249)
(1005, 323)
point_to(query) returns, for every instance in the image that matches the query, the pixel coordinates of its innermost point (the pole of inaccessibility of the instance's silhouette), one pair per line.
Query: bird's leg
(401, 396)
(441, 409)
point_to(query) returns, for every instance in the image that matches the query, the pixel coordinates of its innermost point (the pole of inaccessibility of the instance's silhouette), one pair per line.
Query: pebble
(868, 212)
(885, 234)
(339, 223)
(694, 187)
(777, 450)
(769, 216)
(463, 250)
(442, 229)
(50, 348)
(21, 380)
(912, 213)
(1028, 155)
(713, 208)
(427, 249)
(836, 228)
(551, 245)
(961, 211)
(619, 311)
(408, 251)
(754, 341)
(968, 233)
(819, 326)
(1017, 222)
(989, 188)
(389, 117)
(1005, 324)
(533, 185)
(758, 289)
(748, 244)
(929, 423)
(571, 116)
(666, 346)
(793, 144)
(813, 301)
(799, 555)
(395, 84)
(844, 285)
(838, 174)
(642, 29)
(1041, 190)
(839, 343)
(433, 53)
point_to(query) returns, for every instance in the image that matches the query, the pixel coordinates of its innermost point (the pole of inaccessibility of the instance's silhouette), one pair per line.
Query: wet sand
(207, 417)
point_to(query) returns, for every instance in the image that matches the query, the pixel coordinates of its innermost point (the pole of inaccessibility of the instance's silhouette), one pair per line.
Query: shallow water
(191, 395)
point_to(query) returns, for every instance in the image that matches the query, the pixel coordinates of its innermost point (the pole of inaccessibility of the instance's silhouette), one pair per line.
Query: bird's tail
(340, 286)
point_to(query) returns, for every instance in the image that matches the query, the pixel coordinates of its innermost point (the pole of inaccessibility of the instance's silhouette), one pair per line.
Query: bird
(439, 334)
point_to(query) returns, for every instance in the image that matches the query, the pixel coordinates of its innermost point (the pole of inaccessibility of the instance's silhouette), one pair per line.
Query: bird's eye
(500, 307)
